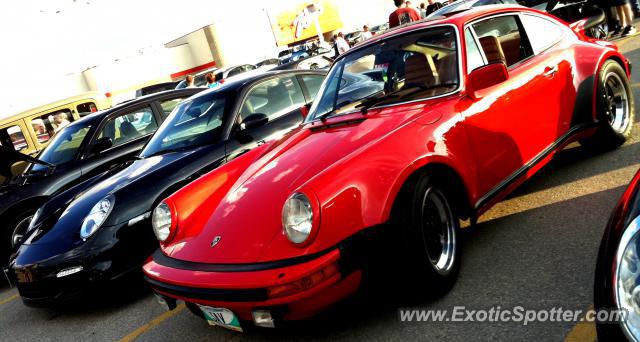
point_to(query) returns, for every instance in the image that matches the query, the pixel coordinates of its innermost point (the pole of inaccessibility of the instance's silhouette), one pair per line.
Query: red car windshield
(406, 68)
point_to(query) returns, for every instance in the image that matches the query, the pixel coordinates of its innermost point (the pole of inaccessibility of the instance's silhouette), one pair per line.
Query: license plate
(221, 317)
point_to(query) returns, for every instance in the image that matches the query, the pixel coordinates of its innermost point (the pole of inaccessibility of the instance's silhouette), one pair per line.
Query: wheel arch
(444, 173)
(32, 202)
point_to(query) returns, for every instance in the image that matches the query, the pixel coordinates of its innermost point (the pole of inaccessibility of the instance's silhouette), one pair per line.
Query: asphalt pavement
(537, 249)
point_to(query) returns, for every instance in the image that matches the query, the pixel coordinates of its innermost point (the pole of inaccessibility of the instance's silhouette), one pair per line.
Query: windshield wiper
(167, 151)
(365, 104)
(422, 87)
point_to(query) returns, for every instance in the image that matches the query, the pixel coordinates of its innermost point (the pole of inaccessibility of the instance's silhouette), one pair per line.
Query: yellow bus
(30, 131)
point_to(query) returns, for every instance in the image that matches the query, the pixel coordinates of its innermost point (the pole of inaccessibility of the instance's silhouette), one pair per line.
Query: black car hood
(129, 186)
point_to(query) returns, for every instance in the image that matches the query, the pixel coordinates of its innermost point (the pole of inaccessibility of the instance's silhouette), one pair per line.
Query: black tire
(615, 109)
(434, 217)
(10, 229)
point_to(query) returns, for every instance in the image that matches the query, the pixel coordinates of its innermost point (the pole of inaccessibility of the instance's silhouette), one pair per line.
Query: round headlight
(627, 279)
(161, 221)
(297, 218)
(96, 217)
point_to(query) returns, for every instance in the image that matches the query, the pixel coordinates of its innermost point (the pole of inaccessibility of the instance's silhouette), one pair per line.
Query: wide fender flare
(450, 163)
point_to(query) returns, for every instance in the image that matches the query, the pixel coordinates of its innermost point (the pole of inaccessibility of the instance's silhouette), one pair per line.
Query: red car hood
(243, 205)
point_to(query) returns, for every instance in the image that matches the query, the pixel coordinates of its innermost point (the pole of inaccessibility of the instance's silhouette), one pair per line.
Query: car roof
(456, 18)
(98, 116)
(237, 82)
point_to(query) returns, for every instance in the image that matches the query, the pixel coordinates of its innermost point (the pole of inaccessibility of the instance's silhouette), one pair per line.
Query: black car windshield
(64, 146)
(411, 67)
(191, 124)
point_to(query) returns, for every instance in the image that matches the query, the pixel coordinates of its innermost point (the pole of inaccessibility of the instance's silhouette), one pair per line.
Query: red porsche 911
(411, 132)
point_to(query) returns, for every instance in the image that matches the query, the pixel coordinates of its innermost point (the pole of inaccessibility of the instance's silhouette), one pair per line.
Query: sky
(45, 39)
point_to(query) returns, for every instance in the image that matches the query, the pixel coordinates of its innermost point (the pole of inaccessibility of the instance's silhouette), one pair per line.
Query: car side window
(502, 40)
(313, 83)
(86, 108)
(47, 125)
(169, 105)
(474, 56)
(130, 126)
(16, 136)
(534, 25)
(274, 98)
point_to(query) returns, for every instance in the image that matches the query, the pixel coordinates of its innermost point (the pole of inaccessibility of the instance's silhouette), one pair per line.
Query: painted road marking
(153, 323)
(583, 331)
(8, 299)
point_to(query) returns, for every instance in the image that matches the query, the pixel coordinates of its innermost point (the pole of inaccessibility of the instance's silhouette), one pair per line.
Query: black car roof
(98, 116)
(239, 81)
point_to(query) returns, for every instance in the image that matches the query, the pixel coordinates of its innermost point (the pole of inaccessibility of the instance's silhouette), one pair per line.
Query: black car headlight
(96, 217)
(627, 279)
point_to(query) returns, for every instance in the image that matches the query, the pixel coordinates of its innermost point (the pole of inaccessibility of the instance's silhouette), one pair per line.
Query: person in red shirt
(402, 15)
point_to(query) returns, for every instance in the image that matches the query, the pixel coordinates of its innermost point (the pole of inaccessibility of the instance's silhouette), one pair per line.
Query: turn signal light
(303, 284)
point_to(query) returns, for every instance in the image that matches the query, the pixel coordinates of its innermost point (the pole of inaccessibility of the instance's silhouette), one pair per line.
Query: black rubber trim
(224, 295)
(526, 167)
(161, 259)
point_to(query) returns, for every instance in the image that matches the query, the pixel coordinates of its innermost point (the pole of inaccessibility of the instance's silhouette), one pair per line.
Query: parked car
(271, 62)
(441, 138)
(460, 6)
(79, 151)
(310, 63)
(587, 13)
(223, 74)
(617, 275)
(95, 235)
(156, 88)
(29, 132)
(379, 29)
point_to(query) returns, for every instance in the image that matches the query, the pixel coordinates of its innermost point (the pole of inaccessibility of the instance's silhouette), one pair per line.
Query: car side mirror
(485, 77)
(305, 110)
(101, 145)
(254, 121)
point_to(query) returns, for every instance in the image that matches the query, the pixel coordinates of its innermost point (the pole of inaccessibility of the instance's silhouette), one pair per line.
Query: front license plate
(221, 317)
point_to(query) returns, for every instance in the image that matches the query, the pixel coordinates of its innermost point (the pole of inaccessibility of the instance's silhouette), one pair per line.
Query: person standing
(625, 18)
(211, 81)
(190, 81)
(433, 6)
(423, 10)
(402, 15)
(366, 34)
(341, 44)
(60, 121)
(335, 46)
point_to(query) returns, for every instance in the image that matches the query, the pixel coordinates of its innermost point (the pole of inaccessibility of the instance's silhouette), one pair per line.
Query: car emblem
(215, 241)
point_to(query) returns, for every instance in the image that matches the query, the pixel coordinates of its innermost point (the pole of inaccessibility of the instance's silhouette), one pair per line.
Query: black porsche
(78, 152)
(105, 232)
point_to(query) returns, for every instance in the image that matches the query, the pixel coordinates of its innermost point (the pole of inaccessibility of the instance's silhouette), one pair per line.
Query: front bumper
(245, 291)
(108, 256)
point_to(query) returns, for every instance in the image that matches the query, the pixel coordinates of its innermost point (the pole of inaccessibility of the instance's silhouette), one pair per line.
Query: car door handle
(550, 71)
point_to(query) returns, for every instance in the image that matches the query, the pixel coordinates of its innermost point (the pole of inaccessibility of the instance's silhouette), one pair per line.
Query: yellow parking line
(8, 299)
(153, 323)
(583, 331)
(582, 187)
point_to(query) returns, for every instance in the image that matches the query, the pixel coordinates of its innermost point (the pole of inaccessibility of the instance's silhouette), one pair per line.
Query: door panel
(514, 121)
(281, 99)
